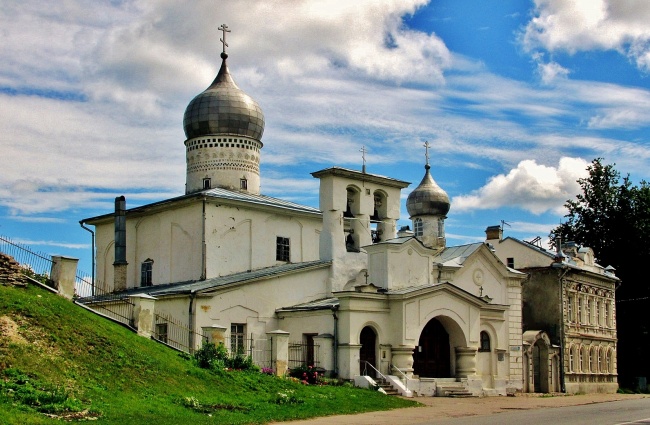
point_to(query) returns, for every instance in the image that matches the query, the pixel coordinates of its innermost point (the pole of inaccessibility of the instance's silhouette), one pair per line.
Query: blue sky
(516, 98)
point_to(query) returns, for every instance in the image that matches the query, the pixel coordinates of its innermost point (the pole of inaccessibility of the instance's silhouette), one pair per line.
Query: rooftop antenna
(363, 151)
(224, 29)
(503, 222)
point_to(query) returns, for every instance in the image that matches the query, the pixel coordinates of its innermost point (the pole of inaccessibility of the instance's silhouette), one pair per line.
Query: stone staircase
(386, 386)
(452, 389)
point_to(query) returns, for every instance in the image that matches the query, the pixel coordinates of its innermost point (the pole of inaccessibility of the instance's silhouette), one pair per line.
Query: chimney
(494, 233)
(120, 264)
(559, 255)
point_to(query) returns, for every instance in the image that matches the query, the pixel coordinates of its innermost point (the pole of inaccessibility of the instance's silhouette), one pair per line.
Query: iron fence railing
(176, 334)
(303, 354)
(117, 306)
(260, 351)
(32, 262)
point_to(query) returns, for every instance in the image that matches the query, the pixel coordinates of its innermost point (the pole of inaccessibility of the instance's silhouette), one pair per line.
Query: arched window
(417, 227)
(593, 359)
(146, 272)
(601, 362)
(572, 359)
(485, 341)
(581, 356)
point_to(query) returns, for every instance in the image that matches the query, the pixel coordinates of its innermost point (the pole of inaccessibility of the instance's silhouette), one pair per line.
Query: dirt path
(438, 408)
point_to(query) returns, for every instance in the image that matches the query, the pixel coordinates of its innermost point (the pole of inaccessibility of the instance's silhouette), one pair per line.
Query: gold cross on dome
(224, 28)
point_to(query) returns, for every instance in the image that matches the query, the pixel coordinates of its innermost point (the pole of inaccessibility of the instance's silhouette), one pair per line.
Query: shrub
(306, 374)
(211, 356)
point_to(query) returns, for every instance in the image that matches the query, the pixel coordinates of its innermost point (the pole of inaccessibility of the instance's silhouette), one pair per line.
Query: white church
(341, 279)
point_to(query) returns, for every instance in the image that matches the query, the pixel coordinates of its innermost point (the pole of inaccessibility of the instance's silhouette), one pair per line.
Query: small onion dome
(223, 108)
(428, 198)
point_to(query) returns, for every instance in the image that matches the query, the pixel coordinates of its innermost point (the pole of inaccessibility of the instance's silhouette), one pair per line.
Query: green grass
(58, 359)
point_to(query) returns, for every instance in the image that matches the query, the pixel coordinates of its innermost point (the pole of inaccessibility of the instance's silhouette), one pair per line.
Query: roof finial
(426, 154)
(363, 156)
(224, 29)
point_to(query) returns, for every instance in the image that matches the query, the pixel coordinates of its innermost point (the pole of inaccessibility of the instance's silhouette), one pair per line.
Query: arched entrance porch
(432, 354)
(441, 351)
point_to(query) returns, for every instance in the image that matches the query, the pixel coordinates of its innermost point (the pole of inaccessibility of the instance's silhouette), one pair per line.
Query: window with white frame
(418, 227)
(237, 338)
(580, 319)
(569, 308)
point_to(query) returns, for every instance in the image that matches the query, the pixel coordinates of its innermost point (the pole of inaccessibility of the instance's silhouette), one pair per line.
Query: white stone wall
(240, 239)
(171, 238)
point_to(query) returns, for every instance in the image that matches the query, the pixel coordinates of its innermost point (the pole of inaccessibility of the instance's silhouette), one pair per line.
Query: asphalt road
(609, 413)
(524, 409)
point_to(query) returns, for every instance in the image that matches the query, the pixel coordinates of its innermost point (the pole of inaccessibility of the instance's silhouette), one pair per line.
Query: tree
(612, 216)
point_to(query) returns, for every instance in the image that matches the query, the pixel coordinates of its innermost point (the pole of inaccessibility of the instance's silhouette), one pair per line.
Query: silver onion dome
(428, 198)
(223, 108)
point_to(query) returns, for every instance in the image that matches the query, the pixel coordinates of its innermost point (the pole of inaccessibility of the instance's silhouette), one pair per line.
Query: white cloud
(31, 242)
(584, 25)
(531, 186)
(331, 76)
(550, 72)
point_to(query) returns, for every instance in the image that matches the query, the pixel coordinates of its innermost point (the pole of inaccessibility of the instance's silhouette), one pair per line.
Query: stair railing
(365, 370)
(405, 378)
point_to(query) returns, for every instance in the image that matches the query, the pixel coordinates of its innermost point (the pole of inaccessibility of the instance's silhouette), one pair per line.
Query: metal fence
(32, 262)
(176, 334)
(260, 351)
(114, 305)
(303, 354)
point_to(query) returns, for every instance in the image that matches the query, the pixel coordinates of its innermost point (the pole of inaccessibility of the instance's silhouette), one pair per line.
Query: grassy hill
(61, 360)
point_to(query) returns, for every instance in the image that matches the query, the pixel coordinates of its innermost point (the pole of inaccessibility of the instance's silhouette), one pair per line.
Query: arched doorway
(540, 366)
(368, 351)
(431, 357)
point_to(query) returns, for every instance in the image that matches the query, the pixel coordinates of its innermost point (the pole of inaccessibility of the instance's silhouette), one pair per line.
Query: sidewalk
(439, 408)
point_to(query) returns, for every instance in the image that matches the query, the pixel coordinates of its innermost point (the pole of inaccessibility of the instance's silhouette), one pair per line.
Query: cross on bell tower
(363, 151)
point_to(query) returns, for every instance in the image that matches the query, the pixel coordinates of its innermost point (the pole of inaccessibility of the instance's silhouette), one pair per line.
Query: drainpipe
(191, 324)
(92, 250)
(336, 340)
(204, 271)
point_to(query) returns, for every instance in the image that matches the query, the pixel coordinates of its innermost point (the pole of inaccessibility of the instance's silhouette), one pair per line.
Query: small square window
(161, 332)
(282, 249)
(511, 262)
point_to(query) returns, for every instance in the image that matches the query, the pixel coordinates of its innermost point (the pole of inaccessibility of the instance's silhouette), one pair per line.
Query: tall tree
(612, 216)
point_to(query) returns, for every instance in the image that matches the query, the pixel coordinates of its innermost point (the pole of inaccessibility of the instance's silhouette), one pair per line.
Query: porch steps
(453, 389)
(386, 386)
